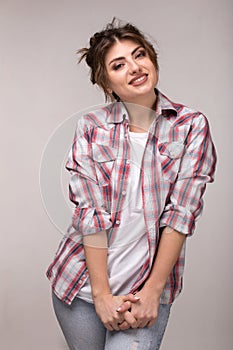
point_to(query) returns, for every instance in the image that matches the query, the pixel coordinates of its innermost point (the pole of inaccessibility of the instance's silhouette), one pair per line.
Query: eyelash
(141, 53)
(117, 66)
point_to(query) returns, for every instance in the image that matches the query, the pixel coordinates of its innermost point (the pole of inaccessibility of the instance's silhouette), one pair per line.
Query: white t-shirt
(129, 249)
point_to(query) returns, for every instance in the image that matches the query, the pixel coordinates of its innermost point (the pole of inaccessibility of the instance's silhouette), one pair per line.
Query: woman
(139, 167)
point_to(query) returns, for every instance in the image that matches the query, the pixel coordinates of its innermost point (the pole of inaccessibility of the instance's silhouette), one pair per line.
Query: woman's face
(131, 73)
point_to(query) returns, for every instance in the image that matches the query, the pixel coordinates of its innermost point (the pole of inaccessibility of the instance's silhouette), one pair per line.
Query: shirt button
(128, 161)
(118, 222)
(123, 193)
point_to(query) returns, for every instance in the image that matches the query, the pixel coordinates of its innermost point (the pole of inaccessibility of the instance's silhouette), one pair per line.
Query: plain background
(41, 86)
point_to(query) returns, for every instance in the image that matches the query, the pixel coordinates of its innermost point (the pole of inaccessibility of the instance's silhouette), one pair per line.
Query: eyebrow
(121, 58)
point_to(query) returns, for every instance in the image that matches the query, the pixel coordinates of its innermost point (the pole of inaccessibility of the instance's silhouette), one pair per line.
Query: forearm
(95, 248)
(170, 246)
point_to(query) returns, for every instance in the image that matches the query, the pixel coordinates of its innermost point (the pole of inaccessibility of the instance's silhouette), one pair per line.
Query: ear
(109, 91)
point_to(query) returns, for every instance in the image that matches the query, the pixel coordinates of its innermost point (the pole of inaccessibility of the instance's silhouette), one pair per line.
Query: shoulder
(186, 114)
(95, 118)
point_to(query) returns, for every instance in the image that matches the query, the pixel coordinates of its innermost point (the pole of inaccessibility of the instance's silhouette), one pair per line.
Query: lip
(136, 82)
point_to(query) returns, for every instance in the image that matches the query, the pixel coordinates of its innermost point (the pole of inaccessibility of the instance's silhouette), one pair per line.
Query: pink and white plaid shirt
(178, 161)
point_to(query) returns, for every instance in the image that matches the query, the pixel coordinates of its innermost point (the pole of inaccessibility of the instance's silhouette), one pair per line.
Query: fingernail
(119, 309)
(137, 298)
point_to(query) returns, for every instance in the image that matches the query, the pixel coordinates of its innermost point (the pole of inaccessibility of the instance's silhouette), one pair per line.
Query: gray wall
(41, 86)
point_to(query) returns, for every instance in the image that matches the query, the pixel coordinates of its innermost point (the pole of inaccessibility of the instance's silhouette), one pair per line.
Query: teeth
(139, 79)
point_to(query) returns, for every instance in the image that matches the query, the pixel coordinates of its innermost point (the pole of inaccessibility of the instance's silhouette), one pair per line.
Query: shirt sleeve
(196, 170)
(90, 215)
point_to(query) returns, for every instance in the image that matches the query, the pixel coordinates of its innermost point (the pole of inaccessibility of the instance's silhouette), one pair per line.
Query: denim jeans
(83, 330)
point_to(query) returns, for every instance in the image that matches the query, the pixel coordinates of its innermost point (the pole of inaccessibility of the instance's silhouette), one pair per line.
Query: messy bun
(102, 41)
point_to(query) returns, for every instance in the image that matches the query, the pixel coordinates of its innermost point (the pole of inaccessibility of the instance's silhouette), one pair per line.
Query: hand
(107, 306)
(145, 311)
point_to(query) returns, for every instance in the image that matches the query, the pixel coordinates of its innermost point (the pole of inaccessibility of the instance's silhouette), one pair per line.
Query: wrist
(100, 293)
(154, 288)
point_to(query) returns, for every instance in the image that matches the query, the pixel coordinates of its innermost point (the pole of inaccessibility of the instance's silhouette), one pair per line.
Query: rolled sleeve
(197, 168)
(90, 215)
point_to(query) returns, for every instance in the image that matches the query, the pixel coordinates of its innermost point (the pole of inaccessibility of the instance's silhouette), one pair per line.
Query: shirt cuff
(90, 220)
(178, 218)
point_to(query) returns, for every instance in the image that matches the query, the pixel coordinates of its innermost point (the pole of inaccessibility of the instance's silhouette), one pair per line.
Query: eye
(140, 53)
(117, 66)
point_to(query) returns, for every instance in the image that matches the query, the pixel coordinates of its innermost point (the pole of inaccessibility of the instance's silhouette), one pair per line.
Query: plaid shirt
(178, 161)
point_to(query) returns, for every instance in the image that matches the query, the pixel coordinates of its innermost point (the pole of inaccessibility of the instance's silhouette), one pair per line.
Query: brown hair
(102, 41)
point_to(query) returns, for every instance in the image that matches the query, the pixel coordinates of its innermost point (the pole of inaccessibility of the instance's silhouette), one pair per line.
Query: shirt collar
(118, 112)
(164, 106)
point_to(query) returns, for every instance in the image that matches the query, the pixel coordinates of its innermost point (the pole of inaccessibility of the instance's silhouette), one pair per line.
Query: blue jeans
(83, 330)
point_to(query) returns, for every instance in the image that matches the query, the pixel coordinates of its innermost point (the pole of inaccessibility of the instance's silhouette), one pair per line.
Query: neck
(141, 115)
(147, 101)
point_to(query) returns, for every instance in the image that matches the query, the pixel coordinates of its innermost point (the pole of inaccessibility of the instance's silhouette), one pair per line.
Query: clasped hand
(135, 311)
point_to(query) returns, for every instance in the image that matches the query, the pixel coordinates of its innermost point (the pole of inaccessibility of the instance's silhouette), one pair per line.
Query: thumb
(126, 305)
(127, 300)
(131, 297)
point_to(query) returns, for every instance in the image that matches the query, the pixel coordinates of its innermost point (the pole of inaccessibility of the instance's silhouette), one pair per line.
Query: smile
(138, 80)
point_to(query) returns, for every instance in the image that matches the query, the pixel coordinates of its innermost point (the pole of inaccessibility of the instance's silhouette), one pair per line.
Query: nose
(134, 67)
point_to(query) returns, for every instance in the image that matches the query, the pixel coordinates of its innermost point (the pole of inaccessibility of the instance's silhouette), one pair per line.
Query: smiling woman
(132, 76)
(101, 42)
(139, 167)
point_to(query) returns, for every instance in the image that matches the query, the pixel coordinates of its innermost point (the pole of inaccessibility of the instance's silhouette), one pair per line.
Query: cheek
(151, 67)
(155, 75)
(116, 81)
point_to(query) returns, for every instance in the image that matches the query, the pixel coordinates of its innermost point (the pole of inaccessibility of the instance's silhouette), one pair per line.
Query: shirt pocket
(104, 158)
(170, 155)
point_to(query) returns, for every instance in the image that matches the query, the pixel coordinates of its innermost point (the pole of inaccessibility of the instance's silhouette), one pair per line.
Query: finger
(143, 324)
(152, 322)
(130, 319)
(116, 321)
(131, 297)
(113, 323)
(128, 299)
(112, 326)
(126, 305)
(124, 325)
(108, 326)
(115, 327)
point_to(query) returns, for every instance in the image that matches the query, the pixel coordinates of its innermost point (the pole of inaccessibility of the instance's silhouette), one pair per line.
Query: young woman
(139, 167)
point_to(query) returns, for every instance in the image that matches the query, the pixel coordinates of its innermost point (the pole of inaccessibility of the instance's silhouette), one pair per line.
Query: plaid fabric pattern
(179, 160)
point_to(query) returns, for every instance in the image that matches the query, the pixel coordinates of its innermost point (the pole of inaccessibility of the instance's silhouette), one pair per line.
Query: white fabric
(129, 249)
